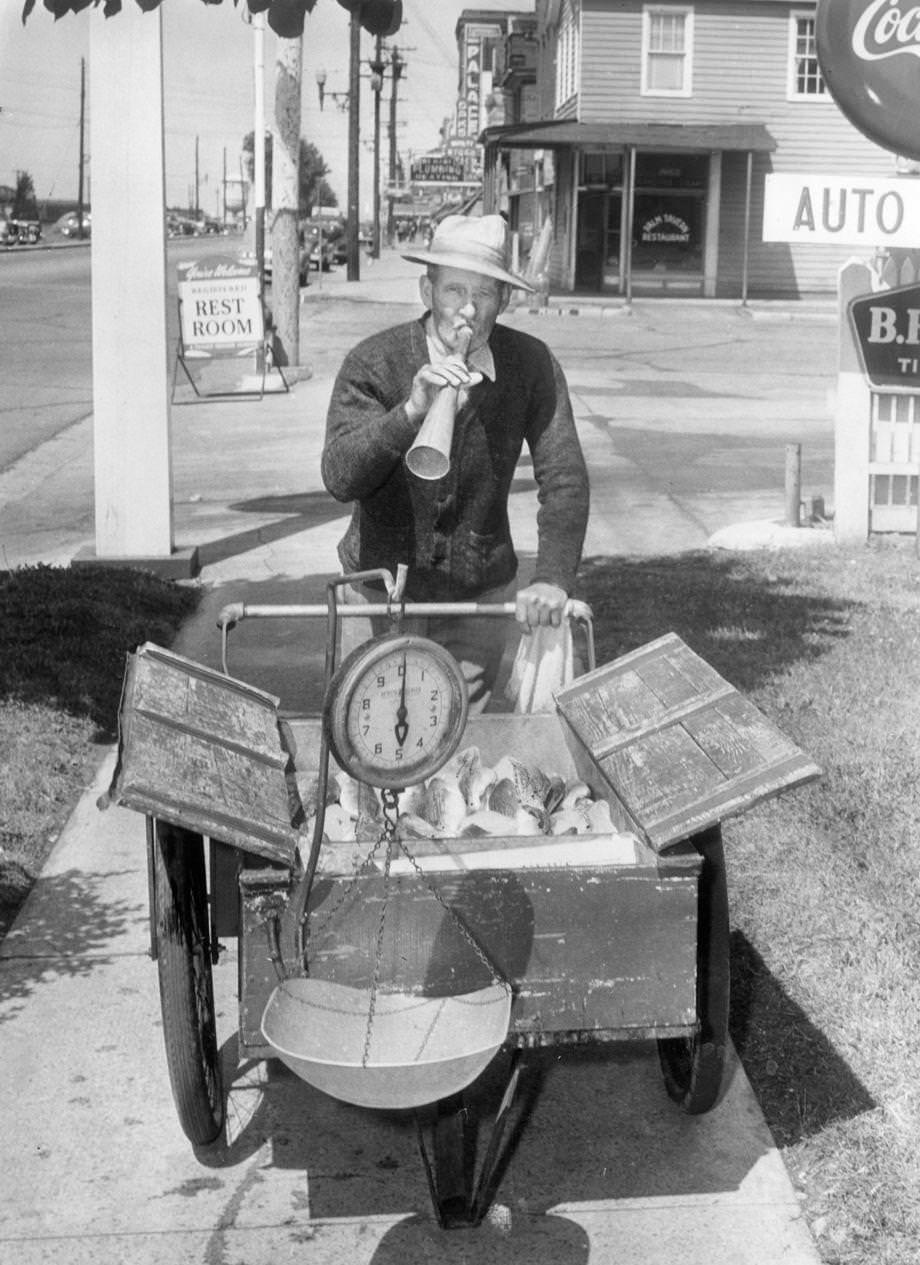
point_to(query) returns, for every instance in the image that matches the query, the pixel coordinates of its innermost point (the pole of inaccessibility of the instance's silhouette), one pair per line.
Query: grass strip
(64, 637)
(824, 882)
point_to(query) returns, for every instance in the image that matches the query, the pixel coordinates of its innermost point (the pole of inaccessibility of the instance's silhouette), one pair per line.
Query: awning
(563, 133)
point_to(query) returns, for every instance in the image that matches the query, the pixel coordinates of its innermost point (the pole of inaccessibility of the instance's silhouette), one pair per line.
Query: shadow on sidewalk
(67, 930)
(302, 511)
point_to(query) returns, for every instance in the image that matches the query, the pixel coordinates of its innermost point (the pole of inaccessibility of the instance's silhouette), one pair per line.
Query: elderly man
(453, 532)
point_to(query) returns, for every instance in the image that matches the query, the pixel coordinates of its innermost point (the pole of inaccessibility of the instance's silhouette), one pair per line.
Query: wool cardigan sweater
(454, 532)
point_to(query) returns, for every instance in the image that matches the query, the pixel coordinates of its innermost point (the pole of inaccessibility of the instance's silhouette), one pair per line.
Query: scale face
(396, 710)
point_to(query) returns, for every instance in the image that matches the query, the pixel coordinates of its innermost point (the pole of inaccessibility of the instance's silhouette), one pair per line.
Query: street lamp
(340, 98)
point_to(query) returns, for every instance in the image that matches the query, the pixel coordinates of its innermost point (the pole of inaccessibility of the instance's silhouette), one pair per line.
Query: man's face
(462, 301)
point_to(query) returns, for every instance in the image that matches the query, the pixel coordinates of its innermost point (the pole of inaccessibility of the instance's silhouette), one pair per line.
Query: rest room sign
(220, 304)
(886, 327)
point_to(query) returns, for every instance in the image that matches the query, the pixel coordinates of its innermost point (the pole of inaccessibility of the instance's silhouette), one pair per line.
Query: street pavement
(606, 1169)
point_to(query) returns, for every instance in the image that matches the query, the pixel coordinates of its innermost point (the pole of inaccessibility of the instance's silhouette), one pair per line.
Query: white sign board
(842, 210)
(220, 304)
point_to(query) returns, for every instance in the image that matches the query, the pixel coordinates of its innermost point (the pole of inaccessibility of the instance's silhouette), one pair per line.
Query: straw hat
(475, 244)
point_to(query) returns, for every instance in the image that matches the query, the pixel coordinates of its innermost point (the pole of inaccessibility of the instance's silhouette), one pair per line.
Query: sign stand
(222, 324)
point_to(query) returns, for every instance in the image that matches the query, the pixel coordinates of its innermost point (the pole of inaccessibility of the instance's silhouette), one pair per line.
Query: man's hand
(431, 379)
(539, 604)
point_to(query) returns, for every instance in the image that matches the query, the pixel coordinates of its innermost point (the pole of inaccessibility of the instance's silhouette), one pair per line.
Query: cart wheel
(693, 1066)
(186, 986)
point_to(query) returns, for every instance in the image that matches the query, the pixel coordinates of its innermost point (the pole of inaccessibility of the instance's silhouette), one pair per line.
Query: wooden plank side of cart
(201, 750)
(599, 950)
(677, 746)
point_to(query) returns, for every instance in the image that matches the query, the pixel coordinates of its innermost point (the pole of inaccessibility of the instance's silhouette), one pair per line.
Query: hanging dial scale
(396, 710)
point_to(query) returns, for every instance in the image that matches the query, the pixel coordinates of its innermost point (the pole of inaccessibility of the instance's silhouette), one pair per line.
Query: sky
(209, 77)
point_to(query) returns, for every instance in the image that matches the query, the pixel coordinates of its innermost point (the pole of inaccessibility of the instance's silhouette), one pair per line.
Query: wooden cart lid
(679, 746)
(205, 751)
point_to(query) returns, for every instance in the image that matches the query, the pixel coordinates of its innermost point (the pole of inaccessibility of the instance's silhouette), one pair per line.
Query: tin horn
(429, 456)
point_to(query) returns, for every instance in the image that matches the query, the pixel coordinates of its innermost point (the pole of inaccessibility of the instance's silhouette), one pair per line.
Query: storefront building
(652, 128)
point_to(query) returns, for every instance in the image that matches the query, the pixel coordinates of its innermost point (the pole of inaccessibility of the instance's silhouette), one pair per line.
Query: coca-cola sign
(869, 53)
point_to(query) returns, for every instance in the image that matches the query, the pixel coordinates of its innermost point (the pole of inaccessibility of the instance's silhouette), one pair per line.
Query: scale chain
(390, 811)
(390, 815)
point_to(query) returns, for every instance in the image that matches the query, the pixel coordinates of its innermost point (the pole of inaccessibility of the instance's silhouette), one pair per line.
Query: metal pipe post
(793, 485)
(354, 137)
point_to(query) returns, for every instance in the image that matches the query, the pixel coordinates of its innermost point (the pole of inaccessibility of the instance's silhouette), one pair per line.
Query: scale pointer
(401, 728)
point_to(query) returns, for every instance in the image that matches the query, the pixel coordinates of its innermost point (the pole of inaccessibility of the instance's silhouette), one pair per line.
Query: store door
(591, 241)
(612, 271)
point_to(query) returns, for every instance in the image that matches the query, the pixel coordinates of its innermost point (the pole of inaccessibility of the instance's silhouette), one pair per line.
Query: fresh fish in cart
(503, 798)
(474, 779)
(444, 805)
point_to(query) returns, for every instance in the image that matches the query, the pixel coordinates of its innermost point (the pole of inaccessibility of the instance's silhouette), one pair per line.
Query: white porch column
(852, 417)
(131, 423)
(713, 212)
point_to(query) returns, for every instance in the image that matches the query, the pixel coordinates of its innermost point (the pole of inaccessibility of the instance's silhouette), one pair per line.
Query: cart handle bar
(236, 612)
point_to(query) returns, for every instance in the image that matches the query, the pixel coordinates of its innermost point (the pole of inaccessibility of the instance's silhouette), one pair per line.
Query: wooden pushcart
(623, 939)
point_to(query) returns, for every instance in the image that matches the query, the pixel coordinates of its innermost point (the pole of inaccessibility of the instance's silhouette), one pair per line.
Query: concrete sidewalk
(606, 1169)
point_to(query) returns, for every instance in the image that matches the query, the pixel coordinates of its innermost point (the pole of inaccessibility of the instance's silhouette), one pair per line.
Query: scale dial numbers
(397, 710)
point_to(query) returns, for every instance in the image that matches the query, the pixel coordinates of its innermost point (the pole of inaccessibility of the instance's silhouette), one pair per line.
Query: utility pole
(354, 139)
(396, 69)
(245, 201)
(197, 206)
(258, 141)
(80, 229)
(285, 201)
(378, 66)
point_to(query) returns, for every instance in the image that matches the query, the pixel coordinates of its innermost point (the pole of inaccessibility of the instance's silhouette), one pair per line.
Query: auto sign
(886, 326)
(869, 53)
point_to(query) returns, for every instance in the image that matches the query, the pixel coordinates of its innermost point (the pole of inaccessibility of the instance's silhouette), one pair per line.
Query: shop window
(672, 171)
(566, 54)
(667, 233)
(805, 78)
(667, 51)
(601, 170)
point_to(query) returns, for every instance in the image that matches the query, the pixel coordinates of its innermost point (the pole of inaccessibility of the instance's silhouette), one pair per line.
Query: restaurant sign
(886, 327)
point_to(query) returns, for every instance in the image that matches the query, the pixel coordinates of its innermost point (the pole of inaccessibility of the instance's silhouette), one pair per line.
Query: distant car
(30, 231)
(68, 225)
(325, 258)
(333, 244)
(19, 232)
(182, 226)
(303, 269)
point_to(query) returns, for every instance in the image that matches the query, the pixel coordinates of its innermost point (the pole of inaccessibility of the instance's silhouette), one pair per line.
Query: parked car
(312, 234)
(19, 232)
(68, 225)
(303, 270)
(181, 226)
